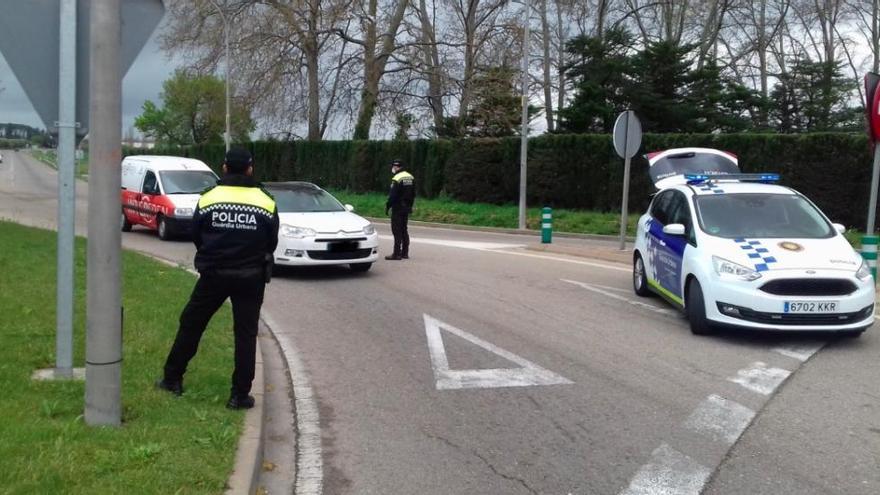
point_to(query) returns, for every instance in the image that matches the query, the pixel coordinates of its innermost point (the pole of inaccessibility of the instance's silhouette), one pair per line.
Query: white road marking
(669, 472)
(722, 419)
(800, 352)
(650, 307)
(760, 378)
(478, 246)
(529, 374)
(309, 461)
(510, 249)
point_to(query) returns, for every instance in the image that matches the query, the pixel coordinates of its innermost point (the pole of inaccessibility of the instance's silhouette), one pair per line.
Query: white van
(161, 192)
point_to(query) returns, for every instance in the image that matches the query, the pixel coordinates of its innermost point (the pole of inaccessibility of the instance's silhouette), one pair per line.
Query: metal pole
(66, 189)
(524, 129)
(104, 315)
(875, 183)
(623, 207)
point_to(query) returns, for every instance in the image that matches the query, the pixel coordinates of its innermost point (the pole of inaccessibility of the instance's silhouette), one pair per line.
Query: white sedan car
(737, 251)
(316, 229)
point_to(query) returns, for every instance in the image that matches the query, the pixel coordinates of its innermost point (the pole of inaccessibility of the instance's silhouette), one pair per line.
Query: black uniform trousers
(208, 295)
(400, 230)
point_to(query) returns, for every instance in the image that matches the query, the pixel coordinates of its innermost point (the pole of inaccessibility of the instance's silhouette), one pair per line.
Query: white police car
(736, 250)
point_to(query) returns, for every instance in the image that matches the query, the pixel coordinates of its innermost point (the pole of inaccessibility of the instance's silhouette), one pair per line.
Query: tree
(193, 112)
(812, 97)
(663, 74)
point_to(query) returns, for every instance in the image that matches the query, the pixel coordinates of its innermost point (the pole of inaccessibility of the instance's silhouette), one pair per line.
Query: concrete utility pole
(228, 136)
(524, 129)
(104, 310)
(66, 189)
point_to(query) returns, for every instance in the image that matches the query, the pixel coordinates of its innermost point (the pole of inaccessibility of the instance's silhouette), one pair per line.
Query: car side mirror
(839, 228)
(349, 208)
(675, 229)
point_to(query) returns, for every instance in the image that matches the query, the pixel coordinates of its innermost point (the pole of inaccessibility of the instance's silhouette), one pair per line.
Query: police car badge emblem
(791, 246)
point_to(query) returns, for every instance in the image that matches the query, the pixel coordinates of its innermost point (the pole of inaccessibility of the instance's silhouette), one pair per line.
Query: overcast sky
(143, 82)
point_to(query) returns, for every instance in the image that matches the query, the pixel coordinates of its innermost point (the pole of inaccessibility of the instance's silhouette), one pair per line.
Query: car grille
(809, 287)
(802, 319)
(341, 255)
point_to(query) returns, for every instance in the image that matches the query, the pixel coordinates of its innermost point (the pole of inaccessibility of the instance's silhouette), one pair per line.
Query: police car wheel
(164, 231)
(640, 281)
(360, 267)
(125, 224)
(696, 309)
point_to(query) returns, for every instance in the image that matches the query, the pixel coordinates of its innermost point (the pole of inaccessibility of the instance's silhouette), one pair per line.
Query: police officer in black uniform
(235, 230)
(400, 201)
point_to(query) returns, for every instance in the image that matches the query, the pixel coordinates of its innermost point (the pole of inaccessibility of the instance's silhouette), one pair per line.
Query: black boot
(173, 386)
(393, 257)
(240, 402)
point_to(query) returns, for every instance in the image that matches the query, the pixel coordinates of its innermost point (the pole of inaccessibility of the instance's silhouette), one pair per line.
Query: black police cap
(238, 160)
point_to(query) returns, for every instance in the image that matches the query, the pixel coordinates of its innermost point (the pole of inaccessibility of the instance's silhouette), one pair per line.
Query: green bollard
(546, 225)
(869, 252)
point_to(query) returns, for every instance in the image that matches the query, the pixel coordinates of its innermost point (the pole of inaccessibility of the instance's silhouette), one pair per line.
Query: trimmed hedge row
(570, 171)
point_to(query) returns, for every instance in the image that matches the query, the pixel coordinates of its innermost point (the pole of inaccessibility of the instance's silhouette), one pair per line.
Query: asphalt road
(477, 367)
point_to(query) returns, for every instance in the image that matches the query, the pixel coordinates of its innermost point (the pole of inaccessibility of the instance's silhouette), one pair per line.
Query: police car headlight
(725, 268)
(369, 229)
(864, 272)
(183, 212)
(294, 232)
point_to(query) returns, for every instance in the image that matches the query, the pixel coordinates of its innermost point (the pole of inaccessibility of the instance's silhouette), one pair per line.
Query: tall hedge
(571, 171)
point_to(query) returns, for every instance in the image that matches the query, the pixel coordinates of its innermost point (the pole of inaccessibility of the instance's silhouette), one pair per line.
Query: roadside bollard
(547, 225)
(869, 253)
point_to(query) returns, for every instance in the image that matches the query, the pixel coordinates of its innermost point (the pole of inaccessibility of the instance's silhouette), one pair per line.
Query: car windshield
(305, 200)
(761, 216)
(187, 181)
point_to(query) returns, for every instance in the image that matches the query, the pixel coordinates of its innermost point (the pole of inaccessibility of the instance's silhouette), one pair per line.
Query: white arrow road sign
(527, 375)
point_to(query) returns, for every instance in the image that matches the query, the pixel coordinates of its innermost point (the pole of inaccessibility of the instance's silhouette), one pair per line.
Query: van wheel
(640, 280)
(125, 224)
(164, 231)
(696, 309)
(360, 267)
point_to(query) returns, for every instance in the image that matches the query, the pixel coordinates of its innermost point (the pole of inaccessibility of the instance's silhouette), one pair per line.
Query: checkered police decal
(759, 255)
(711, 187)
(237, 208)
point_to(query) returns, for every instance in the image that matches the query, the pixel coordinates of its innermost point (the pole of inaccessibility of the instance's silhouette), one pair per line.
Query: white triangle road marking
(529, 374)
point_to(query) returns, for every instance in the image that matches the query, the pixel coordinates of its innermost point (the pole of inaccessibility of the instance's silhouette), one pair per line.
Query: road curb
(502, 230)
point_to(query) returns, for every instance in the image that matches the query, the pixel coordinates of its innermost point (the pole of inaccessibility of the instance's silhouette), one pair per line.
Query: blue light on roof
(696, 178)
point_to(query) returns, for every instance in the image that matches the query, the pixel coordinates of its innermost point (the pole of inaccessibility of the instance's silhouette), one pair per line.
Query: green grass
(50, 157)
(445, 210)
(166, 445)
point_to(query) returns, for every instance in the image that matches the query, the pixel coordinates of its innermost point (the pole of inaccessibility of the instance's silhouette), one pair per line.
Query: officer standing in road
(235, 230)
(400, 202)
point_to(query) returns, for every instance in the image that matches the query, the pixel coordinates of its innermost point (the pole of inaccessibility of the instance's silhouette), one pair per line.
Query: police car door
(665, 251)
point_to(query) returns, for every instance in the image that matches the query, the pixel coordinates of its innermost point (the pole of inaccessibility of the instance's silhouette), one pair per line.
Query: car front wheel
(640, 280)
(164, 230)
(126, 225)
(696, 309)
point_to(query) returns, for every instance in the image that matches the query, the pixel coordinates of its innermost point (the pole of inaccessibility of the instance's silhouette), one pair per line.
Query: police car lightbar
(761, 177)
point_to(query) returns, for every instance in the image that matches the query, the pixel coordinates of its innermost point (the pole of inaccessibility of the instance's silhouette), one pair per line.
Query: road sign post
(627, 140)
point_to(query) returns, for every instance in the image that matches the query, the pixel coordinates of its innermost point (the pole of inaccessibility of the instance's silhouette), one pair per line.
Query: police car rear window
(761, 216)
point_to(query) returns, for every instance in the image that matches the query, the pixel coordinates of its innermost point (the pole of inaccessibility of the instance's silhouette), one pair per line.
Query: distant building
(19, 131)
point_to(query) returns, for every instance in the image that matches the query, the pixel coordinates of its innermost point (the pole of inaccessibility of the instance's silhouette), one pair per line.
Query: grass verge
(166, 445)
(445, 210)
(50, 158)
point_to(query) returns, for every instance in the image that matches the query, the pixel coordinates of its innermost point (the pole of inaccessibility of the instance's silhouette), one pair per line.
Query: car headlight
(864, 272)
(369, 229)
(727, 268)
(183, 212)
(295, 232)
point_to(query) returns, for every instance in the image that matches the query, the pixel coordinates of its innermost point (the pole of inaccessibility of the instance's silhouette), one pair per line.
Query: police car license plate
(810, 307)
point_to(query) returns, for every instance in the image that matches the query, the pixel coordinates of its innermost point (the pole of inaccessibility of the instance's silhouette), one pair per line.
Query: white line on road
(760, 378)
(719, 418)
(669, 472)
(799, 352)
(650, 307)
(529, 374)
(309, 461)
